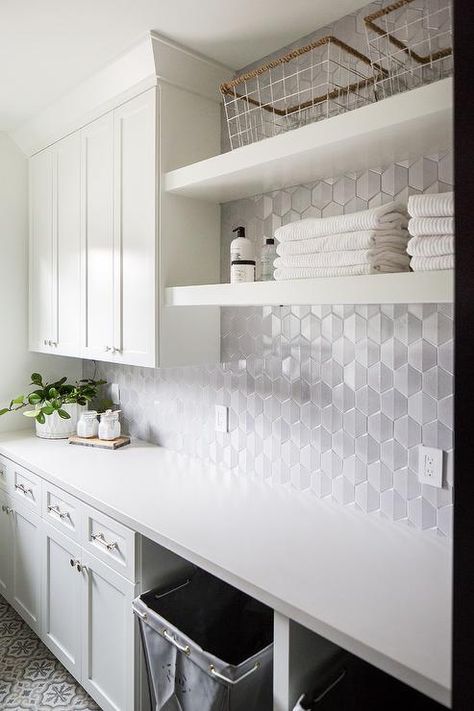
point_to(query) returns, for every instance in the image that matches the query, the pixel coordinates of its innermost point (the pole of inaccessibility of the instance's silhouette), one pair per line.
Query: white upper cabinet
(135, 275)
(55, 248)
(67, 246)
(41, 251)
(97, 208)
(106, 240)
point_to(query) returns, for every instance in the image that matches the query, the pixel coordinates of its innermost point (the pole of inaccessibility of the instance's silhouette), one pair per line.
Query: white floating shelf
(417, 122)
(405, 288)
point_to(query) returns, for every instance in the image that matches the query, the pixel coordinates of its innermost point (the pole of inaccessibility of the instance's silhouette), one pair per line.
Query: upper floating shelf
(404, 288)
(417, 122)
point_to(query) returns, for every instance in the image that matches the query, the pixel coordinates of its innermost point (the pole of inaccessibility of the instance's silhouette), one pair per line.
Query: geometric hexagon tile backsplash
(332, 400)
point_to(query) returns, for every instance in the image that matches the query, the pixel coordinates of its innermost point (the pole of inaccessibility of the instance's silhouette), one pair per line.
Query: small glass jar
(109, 426)
(88, 425)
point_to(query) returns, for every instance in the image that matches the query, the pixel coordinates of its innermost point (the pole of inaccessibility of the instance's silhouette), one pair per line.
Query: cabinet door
(135, 230)
(61, 599)
(26, 575)
(97, 238)
(109, 643)
(67, 247)
(41, 260)
(6, 537)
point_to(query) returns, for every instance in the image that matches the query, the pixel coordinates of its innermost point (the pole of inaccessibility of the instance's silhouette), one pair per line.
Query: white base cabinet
(58, 568)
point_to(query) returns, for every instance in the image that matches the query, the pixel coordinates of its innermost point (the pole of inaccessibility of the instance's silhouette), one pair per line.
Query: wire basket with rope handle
(322, 79)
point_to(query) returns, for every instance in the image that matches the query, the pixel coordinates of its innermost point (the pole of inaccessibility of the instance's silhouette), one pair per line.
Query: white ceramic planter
(57, 428)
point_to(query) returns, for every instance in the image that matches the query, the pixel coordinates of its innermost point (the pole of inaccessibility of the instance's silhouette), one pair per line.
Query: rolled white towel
(428, 226)
(313, 272)
(428, 264)
(427, 205)
(390, 216)
(434, 246)
(364, 239)
(374, 257)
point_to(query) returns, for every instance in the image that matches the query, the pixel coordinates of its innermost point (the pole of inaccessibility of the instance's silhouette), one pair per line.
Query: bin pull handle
(141, 614)
(182, 648)
(215, 673)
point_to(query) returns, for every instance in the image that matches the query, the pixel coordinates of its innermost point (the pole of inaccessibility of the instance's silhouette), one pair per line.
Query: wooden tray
(100, 443)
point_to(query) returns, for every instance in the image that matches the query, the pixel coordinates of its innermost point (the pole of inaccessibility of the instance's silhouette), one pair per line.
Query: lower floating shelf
(404, 288)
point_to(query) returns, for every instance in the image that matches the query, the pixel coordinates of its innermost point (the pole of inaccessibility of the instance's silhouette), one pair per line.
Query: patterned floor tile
(31, 678)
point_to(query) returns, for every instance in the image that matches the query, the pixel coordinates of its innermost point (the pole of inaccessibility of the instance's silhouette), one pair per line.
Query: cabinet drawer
(110, 542)
(62, 511)
(5, 474)
(26, 487)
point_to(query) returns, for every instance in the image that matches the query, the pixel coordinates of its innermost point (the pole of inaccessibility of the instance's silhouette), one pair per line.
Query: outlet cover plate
(430, 466)
(222, 418)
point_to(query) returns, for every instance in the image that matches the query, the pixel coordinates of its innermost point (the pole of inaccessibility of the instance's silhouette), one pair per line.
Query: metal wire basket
(322, 79)
(411, 42)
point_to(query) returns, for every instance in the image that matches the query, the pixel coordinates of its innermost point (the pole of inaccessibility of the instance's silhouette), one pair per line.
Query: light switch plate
(115, 393)
(430, 466)
(222, 418)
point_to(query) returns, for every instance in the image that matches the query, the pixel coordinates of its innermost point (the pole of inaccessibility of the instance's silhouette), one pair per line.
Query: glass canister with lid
(109, 426)
(88, 425)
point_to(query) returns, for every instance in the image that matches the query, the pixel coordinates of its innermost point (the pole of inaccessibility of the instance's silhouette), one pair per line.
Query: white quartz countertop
(380, 590)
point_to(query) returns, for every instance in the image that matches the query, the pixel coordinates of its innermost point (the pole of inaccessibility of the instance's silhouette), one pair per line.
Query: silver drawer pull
(215, 673)
(55, 509)
(100, 538)
(182, 648)
(23, 489)
(7, 509)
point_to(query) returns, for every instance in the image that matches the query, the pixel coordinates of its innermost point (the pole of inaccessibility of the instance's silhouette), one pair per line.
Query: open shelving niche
(414, 123)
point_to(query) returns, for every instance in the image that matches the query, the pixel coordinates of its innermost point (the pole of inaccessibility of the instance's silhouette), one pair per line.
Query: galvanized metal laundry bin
(208, 647)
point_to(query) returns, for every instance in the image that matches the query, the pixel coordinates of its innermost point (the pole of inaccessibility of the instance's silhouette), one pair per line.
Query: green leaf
(18, 400)
(36, 379)
(4, 410)
(53, 393)
(34, 398)
(31, 413)
(65, 415)
(40, 418)
(48, 410)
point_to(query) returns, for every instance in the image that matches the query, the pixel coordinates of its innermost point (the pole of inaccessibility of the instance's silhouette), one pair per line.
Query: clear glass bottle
(88, 425)
(109, 426)
(267, 257)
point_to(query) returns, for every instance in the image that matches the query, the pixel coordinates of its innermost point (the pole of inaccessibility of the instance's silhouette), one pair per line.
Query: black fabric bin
(208, 647)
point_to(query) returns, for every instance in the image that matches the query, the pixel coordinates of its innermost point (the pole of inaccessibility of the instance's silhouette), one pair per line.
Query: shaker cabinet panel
(26, 574)
(67, 281)
(97, 237)
(108, 636)
(62, 581)
(41, 270)
(134, 231)
(6, 539)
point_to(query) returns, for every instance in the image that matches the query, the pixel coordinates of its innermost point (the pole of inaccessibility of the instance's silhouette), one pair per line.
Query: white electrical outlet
(430, 466)
(222, 418)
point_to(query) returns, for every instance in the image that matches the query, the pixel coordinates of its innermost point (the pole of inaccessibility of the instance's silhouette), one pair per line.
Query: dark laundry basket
(208, 647)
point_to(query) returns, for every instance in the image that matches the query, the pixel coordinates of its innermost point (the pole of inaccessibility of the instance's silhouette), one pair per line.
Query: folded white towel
(375, 257)
(434, 246)
(391, 216)
(418, 226)
(427, 205)
(364, 239)
(313, 272)
(427, 264)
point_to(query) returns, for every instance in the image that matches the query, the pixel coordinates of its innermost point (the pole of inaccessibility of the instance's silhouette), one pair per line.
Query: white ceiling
(49, 46)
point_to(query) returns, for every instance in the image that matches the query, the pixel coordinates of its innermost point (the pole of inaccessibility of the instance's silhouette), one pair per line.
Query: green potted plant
(57, 406)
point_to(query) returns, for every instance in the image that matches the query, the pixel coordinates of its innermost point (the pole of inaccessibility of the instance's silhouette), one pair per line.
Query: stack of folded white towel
(432, 229)
(367, 242)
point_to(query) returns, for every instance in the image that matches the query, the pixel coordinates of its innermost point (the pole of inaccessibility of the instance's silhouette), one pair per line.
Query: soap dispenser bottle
(242, 258)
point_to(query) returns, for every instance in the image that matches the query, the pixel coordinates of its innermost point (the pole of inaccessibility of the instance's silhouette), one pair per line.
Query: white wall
(16, 363)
